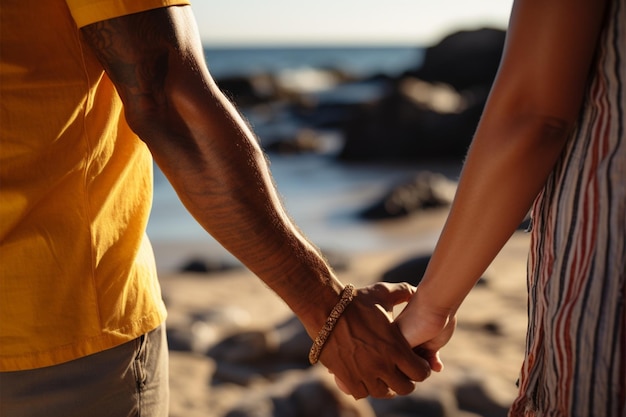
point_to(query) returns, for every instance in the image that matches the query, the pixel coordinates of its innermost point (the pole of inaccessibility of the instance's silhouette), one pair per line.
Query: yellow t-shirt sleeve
(86, 12)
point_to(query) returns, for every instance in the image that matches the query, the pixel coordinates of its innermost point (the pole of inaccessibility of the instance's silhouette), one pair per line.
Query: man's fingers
(400, 292)
(389, 295)
(432, 356)
(352, 386)
(392, 384)
(384, 380)
(380, 389)
(415, 368)
(399, 383)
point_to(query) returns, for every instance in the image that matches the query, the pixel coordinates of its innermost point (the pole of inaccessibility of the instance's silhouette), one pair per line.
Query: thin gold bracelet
(316, 350)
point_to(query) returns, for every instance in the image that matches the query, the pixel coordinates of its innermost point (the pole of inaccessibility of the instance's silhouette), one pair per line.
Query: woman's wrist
(423, 318)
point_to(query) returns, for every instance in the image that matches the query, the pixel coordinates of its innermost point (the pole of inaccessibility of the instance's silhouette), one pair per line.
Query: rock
(267, 351)
(433, 111)
(425, 191)
(405, 126)
(318, 399)
(464, 59)
(197, 337)
(199, 331)
(423, 402)
(309, 393)
(231, 373)
(306, 141)
(412, 270)
(249, 90)
(206, 265)
(493, 328)
(259, 408)
(246, 347)
(474, 395)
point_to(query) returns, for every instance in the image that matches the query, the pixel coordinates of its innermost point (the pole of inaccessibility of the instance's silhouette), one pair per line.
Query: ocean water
(357, 60)
(320, 194)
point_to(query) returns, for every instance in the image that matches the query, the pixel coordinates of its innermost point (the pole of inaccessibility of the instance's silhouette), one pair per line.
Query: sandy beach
(235, 350)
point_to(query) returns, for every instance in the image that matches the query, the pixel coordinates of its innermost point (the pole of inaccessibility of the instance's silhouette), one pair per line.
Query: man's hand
(367, 352)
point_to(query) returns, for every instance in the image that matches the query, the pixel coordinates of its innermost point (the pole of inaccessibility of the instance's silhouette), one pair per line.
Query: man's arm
(220, 173)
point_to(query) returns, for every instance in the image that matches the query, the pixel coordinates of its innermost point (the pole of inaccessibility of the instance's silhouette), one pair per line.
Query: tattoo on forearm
(134, 51)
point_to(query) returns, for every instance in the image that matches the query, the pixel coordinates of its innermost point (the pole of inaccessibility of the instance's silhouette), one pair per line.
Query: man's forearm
(209, 154)
(216, 165)
(226, 185)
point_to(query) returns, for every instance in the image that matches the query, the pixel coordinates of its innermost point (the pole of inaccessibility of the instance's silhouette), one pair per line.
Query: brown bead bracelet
(316, 350)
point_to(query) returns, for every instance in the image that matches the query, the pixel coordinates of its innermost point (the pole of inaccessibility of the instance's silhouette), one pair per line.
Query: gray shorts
(128, 380)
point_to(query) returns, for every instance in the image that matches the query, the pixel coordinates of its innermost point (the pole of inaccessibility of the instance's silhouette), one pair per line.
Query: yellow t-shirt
(77, 273)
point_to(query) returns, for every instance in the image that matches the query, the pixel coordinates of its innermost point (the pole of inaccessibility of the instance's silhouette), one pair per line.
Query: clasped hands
(371, 354)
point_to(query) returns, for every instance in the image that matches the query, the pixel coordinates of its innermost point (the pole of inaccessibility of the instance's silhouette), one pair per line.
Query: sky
(323, 22)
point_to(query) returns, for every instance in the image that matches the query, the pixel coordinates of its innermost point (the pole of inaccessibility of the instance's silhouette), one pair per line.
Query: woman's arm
(531, 111)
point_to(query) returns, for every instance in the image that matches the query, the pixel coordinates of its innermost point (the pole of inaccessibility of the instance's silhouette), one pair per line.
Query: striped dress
(575, 364)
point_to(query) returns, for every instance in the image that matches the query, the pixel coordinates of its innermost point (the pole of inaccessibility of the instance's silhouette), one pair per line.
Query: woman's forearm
(532, 110)
(506, 167)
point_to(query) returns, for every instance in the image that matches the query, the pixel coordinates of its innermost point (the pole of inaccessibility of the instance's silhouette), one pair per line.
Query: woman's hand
(427, 329)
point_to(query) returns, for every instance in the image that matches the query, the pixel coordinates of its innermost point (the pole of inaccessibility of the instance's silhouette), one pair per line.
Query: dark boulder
(426, 190)
(464, 59)
(202, 265)
(408, 124)
(433, 111)
(412, 271)
(247, 91)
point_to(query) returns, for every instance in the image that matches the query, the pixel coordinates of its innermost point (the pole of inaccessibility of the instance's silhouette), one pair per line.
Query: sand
(487, 347)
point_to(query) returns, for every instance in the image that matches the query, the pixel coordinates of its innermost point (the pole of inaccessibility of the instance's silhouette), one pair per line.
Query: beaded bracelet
(316, 350)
